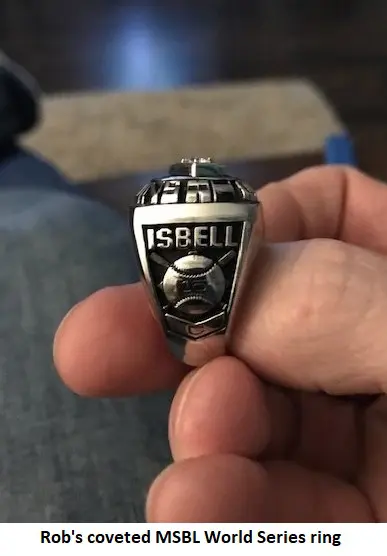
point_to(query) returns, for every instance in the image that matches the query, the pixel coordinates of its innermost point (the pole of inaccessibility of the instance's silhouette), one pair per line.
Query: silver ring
(196, 232)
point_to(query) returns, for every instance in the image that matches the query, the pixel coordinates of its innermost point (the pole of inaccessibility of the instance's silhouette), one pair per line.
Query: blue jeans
(63, 458)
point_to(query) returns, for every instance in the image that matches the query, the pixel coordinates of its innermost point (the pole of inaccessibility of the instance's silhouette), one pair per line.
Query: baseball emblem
(194, 284)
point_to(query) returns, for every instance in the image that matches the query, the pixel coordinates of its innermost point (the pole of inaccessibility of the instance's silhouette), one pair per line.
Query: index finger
(111, 344)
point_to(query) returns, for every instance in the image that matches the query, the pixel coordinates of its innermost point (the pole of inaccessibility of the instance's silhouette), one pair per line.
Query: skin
(292, 426)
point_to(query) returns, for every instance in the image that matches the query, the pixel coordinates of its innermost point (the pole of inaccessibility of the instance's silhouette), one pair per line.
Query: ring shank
(196, 353)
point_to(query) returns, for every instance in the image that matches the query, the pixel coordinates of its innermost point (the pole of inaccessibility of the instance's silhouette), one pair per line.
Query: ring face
(192, 229)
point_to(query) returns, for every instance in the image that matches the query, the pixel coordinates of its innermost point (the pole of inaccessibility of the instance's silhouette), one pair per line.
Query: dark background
(154, 44)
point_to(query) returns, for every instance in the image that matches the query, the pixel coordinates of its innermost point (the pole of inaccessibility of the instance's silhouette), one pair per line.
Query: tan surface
(95, 135)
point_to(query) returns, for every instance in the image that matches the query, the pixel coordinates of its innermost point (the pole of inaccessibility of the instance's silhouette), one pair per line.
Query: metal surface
(193, 230)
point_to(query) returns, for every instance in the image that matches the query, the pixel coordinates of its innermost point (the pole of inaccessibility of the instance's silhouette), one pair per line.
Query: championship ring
(196, 232)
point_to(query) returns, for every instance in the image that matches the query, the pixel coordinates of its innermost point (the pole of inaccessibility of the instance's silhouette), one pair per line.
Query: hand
(265, 435)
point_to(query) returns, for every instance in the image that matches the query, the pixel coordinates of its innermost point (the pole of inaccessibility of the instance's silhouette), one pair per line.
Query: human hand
(264, 435)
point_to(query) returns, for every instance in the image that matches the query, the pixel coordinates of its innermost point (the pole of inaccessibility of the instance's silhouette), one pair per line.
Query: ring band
(194, 230)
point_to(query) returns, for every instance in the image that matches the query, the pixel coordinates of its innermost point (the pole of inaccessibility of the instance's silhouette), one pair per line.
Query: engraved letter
(201, 236)
(229, 242)
(164, 239)
(183, 238)
(150, 238)
(214, 237)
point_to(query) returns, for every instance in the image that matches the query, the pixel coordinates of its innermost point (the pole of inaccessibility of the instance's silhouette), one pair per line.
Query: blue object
(339, 149)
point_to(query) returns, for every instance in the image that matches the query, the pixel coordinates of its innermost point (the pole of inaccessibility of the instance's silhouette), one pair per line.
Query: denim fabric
(63, 458)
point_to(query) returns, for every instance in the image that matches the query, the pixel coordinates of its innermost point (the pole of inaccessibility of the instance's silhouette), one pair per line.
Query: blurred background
(341, 45)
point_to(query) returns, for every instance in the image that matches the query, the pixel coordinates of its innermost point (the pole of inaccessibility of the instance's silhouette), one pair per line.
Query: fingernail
(60, 327)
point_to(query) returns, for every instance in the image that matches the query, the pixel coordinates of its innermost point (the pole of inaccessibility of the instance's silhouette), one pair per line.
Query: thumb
(315, 318)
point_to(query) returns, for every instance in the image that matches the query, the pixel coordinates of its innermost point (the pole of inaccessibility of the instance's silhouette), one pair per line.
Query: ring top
(196, 180)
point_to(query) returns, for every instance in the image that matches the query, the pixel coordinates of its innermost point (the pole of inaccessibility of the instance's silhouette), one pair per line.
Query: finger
(224, 408)
(328, 435)
(327, 202)
(211, 489)
(110, 345)
(373, 475)
(232, 489)
(315, 318)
